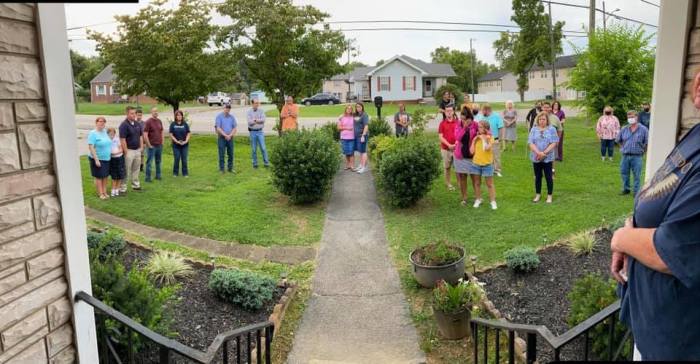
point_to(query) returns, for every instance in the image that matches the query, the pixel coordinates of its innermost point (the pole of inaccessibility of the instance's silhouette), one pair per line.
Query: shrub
(437, 254)
(303, 164)
(165, 268)
(419, 120)
(378, 126)
(522, 259)
(380, 144)
(105, 244)
(407, 170)
(249, 290)
(132, 294)
(582, 243)
(459, 97)
(331, 129)
(453, 299)
(589, 295)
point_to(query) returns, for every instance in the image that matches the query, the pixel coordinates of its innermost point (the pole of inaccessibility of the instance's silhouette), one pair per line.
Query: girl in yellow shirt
(482, 148)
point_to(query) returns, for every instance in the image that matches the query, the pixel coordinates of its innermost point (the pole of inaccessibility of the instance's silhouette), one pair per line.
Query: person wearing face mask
(607, 128)
(633, 140)
(645, 115)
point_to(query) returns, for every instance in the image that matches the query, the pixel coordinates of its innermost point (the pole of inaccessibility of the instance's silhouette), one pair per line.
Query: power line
(434, 22)
(601, 10)
(437, 30)
(651, 3)
(91, 25)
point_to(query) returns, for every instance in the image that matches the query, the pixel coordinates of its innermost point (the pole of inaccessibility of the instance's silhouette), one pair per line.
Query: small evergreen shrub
(105, 244)
(407, 170)
(582, 243)
(437, 254)
(459, 97)
(378, 126)
(165, 268)
(380, 144)
(249, 290)
(589, 295)
(304, 163)
(331, 129)
(522, 259)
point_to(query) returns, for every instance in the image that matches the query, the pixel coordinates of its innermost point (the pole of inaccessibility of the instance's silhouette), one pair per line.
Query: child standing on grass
(482, 164)
(117, 166)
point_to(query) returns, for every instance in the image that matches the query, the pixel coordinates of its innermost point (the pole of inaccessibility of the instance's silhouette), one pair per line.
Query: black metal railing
(126, 341)
(555, 343)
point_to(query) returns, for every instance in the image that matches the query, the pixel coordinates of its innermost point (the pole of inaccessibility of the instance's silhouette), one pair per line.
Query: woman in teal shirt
(100, 146)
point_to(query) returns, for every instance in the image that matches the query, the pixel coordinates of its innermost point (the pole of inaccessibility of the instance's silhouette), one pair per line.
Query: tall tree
(352, 65)
(461, 63)
(623, 78)
(281, 47)
(85, 68)
(532, 45)
(165, 52)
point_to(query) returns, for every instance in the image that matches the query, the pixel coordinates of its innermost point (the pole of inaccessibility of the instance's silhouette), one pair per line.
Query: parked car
(218, 98)
(321, 99)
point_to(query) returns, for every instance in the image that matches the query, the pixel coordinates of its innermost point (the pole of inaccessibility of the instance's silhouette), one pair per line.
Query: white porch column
(672, 39)
(53, 43)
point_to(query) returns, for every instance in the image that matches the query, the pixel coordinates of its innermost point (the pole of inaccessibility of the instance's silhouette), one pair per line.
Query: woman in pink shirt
(347, 136)
(607, 129)
(465, 131)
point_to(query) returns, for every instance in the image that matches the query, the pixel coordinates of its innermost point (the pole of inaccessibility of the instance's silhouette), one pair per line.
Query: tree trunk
(176, 106)
(279, 117)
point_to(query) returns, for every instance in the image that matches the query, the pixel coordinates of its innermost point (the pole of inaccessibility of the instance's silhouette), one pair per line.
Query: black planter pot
(453, 326)
(428, 276)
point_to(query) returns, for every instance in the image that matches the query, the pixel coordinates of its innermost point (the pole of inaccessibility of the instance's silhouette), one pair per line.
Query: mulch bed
(199, 315)
(539, 297)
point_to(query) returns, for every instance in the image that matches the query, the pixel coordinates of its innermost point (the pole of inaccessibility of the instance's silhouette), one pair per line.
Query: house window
(409, 83)
(101, 90)
(111, 90)
(543, 74)
(428, 86)
(384, 83)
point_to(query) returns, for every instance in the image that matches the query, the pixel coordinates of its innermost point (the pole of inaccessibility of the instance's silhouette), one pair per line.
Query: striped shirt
(633, 142)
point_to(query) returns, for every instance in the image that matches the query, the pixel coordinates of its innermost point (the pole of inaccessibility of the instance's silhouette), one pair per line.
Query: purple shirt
(347, 122)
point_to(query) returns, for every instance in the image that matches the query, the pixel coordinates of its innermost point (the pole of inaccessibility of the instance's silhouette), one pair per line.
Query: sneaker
(148, 180)
(611, 159)
(493, 205)
(361, 170)
(625, 192)
(136, 188)
(451, 187)
(255, 166)
(549, 199)
(536, 199)
(464, 202)
(499, 174)
(477, 203)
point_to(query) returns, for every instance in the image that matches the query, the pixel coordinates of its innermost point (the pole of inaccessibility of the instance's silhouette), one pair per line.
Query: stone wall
(689, 114)
(35, 310)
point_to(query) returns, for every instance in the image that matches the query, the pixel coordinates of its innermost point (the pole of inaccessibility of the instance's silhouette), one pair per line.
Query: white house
(400, 78)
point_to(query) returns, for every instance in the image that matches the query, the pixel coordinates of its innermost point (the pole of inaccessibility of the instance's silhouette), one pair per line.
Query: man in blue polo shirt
(633, 140)
(226, 129)
(497, 131)
(131, 137)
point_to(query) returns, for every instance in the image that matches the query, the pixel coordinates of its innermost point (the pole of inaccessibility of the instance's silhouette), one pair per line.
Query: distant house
(102, 90)
(400, 78)
(239, 98)
(260, 96)
(502, 85)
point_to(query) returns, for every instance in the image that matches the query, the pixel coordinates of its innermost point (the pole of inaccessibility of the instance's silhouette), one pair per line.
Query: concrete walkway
(357, 312)
(278, 254)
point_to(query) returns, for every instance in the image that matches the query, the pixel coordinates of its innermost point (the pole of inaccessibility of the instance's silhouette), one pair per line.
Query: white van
(218, 98)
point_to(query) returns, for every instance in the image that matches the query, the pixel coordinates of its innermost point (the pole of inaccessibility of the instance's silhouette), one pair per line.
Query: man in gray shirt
(256, 123)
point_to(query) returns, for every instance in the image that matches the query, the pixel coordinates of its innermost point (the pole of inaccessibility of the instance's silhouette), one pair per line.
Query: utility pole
(552, 58)
(604, 17)
(471, 66)
(591, 18)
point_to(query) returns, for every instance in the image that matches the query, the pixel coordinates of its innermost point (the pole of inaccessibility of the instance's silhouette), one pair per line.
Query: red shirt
(154, 128)
(447, 130)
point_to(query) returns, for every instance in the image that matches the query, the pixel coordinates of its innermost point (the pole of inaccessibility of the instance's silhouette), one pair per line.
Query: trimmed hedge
(249, 290)
(407, 170)
(304, 163)
(377, 127)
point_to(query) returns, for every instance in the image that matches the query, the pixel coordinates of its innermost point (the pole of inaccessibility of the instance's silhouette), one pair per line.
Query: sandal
(104, 197)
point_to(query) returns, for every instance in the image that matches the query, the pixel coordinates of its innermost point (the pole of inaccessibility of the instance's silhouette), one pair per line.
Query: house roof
(427, 69)
(105, 75)
(561, 62)
(493, 76)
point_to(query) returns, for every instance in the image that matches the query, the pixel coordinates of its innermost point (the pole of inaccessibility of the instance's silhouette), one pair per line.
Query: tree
(379, 62)
(165, 52)
(623, 78)
(461, 62)
(352, 65)
(280, 46)
(532, 45)
(85, 68)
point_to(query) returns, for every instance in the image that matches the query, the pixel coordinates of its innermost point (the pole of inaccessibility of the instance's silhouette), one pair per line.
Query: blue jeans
(257, 137)
(631, 162)
(225, 145)
(180, 155)
(607, 145)
(155, 152)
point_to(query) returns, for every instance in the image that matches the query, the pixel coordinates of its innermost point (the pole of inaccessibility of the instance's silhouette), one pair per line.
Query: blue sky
(377, 45)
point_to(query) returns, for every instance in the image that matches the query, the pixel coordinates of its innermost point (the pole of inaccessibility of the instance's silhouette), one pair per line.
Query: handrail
(173, 345)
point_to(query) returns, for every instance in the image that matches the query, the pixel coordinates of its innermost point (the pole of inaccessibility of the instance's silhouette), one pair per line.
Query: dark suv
(321, 99)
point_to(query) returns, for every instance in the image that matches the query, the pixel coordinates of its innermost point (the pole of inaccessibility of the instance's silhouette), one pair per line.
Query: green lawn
(88, 108)
(585, 193)
(244, 208)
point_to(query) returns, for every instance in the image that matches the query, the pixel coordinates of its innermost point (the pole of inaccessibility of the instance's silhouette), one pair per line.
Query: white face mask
(632, 120)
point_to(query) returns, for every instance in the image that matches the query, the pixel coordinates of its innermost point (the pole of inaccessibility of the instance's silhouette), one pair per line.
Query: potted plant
(437, 261)
(452, 305)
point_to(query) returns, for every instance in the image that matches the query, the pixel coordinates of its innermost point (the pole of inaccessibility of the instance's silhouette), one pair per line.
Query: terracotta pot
(453, 326)
(428, 276)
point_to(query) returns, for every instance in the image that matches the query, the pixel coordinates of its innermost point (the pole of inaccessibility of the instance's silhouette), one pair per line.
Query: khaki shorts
(447, 157)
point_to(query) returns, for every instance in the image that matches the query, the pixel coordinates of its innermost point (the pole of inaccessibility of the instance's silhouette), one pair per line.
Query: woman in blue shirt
(543, 141)
(100, 146)
(361, 130)
(180, 136)
(656, 256)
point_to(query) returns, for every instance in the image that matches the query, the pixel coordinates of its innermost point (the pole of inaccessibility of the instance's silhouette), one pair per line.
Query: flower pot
(453, 326)
(428, 276)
